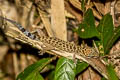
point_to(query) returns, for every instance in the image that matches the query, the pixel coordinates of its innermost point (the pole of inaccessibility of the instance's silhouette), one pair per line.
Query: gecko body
(57, 43)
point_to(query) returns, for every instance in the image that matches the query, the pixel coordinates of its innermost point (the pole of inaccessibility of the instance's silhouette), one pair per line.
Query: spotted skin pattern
(57, 43)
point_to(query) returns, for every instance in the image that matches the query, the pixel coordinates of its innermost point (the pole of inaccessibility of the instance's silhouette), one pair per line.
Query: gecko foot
(74, 58)
(41, 52)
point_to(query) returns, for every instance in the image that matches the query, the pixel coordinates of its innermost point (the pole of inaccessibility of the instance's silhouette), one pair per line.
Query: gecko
(56, 43)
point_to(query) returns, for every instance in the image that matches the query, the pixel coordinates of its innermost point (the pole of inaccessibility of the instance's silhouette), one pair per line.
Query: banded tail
(27, 33)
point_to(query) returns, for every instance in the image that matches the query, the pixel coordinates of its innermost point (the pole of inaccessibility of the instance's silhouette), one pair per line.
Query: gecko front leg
(44, 47)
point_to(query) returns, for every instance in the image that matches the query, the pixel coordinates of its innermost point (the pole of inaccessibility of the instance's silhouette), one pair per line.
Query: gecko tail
(27, 33)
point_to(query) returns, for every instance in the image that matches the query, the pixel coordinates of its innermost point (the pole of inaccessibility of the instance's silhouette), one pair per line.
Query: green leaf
(103, 78)
(36, 76)
(81, 66)
(111, 73)
(32, 72)
(105, 28)
(114, 37)
(65, 70)
(87, 28)
(83, 6)
(51, 75)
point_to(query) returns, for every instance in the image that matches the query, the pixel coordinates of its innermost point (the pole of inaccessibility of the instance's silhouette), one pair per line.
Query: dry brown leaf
(58, 21)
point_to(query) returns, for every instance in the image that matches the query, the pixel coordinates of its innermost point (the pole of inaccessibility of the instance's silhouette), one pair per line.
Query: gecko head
(90, 52)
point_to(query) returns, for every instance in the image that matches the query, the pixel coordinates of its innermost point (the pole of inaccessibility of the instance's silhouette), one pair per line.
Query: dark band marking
(27, 33)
